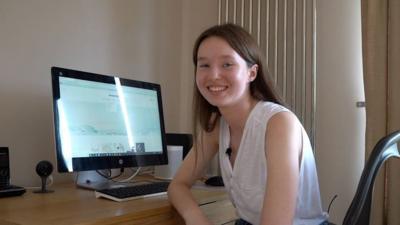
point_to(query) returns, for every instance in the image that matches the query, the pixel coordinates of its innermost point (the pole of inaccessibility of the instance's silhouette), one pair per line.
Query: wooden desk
(71, 205)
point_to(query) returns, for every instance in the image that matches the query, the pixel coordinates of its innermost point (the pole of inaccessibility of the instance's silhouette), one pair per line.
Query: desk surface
(71, 205)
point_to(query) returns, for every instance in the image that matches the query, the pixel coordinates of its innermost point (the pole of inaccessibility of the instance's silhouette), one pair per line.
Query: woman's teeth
(217, 88)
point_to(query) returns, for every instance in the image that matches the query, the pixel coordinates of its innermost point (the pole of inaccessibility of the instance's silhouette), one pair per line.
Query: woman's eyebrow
(201, 58)
(227, 57)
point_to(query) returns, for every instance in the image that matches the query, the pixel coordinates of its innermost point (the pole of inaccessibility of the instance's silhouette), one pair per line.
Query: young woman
(270, 174)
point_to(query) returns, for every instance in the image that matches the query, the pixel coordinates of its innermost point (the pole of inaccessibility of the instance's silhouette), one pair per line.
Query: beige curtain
(381, 59)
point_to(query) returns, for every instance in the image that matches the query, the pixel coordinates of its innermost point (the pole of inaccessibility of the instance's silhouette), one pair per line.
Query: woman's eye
(203, 65)
(226, 65)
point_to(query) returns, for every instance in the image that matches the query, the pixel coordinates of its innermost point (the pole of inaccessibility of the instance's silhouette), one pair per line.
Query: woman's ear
(253, 70)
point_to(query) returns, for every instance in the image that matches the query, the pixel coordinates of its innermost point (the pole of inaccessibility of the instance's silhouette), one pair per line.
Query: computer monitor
(106, 122)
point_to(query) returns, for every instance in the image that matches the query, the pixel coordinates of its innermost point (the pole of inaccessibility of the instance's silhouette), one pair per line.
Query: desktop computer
(104, 122)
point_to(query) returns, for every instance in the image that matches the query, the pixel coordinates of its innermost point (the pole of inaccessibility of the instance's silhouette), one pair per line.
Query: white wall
(340, 126)
(137, 39)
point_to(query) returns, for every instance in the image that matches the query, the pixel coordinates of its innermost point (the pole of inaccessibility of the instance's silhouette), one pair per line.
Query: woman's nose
(215, 73)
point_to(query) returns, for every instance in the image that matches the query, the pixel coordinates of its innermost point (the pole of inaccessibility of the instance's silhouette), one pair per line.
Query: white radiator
(285, 31)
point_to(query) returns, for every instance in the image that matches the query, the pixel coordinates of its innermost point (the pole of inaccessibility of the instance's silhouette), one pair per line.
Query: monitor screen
(106, 122)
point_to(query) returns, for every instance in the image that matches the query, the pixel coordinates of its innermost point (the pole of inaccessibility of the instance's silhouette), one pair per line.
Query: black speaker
(7, 189)
(4, 168)
(44, 169)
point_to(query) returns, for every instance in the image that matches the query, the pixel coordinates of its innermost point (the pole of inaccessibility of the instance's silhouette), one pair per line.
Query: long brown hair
(205, 115)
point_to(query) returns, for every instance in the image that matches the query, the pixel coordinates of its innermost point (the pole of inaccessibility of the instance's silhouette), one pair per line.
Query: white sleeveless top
(246, 183)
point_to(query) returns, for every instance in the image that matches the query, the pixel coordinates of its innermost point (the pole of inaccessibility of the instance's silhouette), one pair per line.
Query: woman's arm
(283, 151)
(179, 193)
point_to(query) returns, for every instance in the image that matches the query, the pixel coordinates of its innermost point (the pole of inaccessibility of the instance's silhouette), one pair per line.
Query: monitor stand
(92, 180)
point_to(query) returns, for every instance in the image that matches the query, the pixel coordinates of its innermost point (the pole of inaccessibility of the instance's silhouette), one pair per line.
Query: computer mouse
(214, 181)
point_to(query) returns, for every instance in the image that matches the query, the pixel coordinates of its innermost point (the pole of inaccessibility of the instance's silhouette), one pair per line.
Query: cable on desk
(229, 222)
(129, 178)
(108, 176)
(49, 182)
(330, 204)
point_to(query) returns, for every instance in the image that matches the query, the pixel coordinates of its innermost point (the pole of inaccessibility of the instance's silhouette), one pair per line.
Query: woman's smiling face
(222, 75)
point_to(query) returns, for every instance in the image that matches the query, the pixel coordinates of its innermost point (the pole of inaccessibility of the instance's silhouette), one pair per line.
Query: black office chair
(181, 139)
(359, 210)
